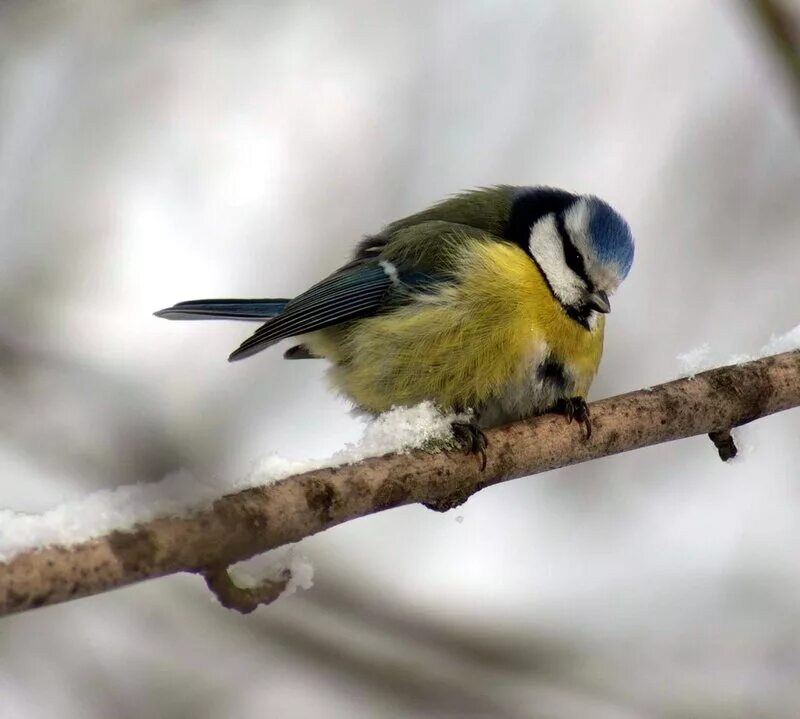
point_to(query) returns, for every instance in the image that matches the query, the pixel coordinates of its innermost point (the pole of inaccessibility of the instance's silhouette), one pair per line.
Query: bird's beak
(599, 301)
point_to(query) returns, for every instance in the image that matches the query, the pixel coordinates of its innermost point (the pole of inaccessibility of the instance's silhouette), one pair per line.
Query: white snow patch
(696, 360)
(700, 358)
(399, 430)
(738, 358)
(782, 343)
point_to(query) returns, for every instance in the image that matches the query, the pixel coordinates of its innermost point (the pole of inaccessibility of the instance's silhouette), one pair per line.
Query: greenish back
(486, 209)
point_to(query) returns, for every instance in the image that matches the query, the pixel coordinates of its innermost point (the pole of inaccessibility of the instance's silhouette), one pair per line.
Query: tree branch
(253, 521)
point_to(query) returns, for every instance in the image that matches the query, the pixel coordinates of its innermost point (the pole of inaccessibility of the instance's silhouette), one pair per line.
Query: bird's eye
(572, 257)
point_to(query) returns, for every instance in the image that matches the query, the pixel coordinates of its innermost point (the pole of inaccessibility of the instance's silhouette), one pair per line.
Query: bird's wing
(227, 309)
(412, 262)
(356, 290)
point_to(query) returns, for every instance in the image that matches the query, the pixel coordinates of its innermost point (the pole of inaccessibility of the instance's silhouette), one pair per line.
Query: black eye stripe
(571, 255)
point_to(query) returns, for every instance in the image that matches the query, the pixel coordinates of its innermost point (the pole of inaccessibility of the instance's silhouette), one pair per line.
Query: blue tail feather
(228, 309)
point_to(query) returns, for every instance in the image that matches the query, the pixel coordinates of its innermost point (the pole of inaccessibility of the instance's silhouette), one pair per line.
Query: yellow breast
(474, 340)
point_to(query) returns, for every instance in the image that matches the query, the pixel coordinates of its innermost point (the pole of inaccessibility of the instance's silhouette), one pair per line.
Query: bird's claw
(575, 408)
(469, 436)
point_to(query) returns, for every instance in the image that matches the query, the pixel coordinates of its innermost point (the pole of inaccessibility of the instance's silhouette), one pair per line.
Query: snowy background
(157, 151)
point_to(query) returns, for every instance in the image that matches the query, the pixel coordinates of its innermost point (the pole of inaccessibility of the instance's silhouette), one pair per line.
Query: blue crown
(610, 236)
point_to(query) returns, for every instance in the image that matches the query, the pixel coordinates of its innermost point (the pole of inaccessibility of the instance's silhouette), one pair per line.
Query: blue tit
(493, 300)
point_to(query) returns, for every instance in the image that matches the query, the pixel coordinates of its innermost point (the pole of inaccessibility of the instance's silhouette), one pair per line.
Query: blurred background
(152, 152)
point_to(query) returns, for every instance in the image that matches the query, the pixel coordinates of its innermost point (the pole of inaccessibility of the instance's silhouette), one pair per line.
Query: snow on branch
(220, 532)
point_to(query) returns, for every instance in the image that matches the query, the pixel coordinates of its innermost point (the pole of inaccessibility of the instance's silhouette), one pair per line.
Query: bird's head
(582, 246)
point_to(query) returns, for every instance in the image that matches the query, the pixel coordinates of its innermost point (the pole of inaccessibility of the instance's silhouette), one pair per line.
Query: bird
(490, 303)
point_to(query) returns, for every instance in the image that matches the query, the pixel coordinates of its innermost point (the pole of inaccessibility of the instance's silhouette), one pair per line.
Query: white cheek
(546, 248)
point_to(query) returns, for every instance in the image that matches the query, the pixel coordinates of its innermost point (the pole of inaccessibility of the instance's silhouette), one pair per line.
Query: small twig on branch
(241, 525)
(243, 599)
(723, 441)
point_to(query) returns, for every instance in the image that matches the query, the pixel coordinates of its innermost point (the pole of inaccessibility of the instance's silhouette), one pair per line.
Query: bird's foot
(577, 409)
(471, 438)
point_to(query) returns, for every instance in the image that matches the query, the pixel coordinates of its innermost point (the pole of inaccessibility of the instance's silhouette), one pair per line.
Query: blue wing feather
(248, 310)
(357, 290)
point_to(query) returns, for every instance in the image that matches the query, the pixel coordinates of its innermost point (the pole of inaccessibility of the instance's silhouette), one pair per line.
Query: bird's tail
(248, 310)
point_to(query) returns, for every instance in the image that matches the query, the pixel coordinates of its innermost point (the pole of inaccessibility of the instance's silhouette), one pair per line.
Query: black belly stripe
(551, 371)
